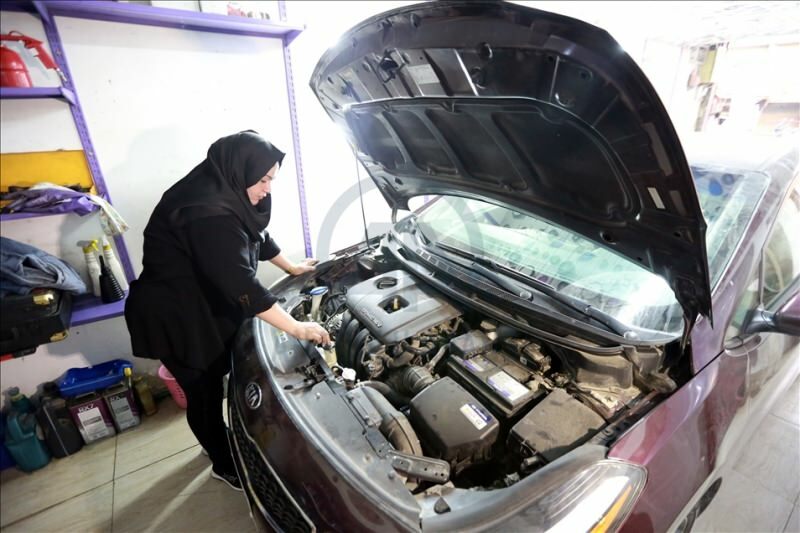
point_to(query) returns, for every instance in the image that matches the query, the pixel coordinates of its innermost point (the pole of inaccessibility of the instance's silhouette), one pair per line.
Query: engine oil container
(60, 433)
(90, 414)
(122, 406)
(23, 444)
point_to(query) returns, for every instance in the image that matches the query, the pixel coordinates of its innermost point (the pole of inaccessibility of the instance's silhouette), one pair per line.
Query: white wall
(154, 99)
(328, 164)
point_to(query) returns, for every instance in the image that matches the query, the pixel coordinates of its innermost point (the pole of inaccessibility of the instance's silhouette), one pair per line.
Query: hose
(436, 358)
(394, 397)
(394, 424)
(401, 360)
(414, 379)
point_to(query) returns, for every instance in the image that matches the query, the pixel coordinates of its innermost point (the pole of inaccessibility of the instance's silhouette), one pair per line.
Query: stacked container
(21, 439)
(124, 411)
(60, 433)
(91, 415)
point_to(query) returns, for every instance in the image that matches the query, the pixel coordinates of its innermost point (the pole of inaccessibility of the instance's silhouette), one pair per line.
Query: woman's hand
(306, 265)
(311, 331)
(305, 331)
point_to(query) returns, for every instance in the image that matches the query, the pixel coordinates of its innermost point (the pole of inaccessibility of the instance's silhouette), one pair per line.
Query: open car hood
(527, 109)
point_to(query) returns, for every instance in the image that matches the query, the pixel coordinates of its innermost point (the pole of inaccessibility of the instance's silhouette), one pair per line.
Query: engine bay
(460, 396)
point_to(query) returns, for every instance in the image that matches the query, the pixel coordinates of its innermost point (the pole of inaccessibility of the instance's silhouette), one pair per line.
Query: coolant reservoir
(328, 353)
(329, 356)
(316, 297)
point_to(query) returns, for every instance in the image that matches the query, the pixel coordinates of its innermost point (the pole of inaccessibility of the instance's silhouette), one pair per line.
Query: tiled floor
(150, 478)
(154, 478)
(761, 489)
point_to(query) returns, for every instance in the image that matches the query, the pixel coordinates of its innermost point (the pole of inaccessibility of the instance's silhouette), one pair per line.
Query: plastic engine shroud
(394, 306)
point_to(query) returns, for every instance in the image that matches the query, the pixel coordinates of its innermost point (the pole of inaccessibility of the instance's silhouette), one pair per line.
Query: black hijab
(219, 184)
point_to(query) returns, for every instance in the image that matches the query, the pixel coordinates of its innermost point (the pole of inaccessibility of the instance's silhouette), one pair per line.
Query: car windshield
(580, 268)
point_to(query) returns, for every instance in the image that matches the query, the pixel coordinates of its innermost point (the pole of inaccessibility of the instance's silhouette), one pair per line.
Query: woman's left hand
(306, 265)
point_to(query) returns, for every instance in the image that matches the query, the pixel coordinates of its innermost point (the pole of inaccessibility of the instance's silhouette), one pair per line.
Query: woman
(201, 250)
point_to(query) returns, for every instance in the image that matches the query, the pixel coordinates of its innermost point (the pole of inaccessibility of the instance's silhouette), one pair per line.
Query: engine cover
(394, 306)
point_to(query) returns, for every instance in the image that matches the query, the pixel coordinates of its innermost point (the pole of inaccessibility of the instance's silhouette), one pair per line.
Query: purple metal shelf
(19, 216)
(298, 158)
(20, 93)
(159, 16)
(89, 308)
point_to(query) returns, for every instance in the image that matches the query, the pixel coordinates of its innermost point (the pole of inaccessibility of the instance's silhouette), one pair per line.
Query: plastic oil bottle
(114, 265)
(142, 393)
(60, 433)
(21, 437)
(92, 266)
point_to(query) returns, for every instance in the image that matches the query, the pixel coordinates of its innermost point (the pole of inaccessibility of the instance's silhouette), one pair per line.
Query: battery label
(478, 419)
(507, 386)
(478, 364)
(93, 423)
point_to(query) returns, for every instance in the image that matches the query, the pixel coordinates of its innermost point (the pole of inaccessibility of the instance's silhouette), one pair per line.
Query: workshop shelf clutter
(38, 149)
(85, 405)
(48, 183)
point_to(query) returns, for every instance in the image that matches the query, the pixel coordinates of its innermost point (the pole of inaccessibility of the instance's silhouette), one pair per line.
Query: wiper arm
(480, 263)
(503, 281)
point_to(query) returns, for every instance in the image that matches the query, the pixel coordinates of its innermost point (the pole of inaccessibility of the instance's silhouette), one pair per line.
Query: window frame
(781, 297)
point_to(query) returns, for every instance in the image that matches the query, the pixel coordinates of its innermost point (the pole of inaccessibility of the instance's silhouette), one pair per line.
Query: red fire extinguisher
(13, 70)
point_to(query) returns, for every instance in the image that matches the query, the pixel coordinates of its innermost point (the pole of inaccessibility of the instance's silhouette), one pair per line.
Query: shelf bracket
(41, 8)
(69, 96)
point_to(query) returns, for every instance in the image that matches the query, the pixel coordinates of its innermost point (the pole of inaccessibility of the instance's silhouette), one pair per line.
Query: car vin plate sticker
(507, 386)
(479, 419)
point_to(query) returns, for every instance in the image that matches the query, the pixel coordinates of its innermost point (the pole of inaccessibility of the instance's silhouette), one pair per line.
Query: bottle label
(93, 424)
(122, 412)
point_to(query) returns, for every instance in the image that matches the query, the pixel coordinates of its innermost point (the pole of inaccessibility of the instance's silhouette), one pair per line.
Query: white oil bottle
(92, 266)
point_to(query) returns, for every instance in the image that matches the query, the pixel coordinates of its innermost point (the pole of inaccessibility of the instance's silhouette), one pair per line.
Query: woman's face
(260, 189)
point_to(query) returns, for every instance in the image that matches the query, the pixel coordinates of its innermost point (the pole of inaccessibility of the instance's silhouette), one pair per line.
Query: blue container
(79, 381)
(24, 446)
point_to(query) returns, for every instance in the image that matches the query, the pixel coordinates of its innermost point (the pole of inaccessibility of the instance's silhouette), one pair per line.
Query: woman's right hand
(311, 331)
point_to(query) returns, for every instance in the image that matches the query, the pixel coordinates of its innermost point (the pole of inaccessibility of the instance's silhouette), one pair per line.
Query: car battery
(91, 415)
(498, 379)
(122, 406)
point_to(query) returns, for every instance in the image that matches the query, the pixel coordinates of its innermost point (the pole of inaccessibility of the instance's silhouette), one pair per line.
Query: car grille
(266, 488)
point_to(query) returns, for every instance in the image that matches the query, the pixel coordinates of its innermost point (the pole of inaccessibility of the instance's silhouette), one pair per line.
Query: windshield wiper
(480, 264)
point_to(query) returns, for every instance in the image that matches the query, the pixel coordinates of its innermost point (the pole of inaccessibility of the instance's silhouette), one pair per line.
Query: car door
(772, 357)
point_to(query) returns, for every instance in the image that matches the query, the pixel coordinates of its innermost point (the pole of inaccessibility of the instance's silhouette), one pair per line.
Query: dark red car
(574, 335)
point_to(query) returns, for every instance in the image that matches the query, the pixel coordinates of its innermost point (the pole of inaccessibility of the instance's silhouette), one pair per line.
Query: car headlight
(581, 491)
(596, 500)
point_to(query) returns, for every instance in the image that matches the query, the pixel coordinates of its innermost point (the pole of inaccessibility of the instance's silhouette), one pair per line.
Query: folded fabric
(45, 197)
(24, 267)
(49, 201)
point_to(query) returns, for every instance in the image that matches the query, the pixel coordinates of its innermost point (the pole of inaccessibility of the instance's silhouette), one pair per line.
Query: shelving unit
(20, 93)
(88, 308)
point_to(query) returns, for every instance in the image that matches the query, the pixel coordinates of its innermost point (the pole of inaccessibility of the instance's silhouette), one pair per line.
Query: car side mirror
(785, 320)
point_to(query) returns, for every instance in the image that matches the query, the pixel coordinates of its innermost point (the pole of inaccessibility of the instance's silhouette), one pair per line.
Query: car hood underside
(527, 109)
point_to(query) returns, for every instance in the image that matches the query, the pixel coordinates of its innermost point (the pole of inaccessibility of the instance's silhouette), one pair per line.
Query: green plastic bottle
(19, 402)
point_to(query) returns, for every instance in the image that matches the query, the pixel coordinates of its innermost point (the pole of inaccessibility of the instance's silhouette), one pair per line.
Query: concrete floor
(154, 478)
